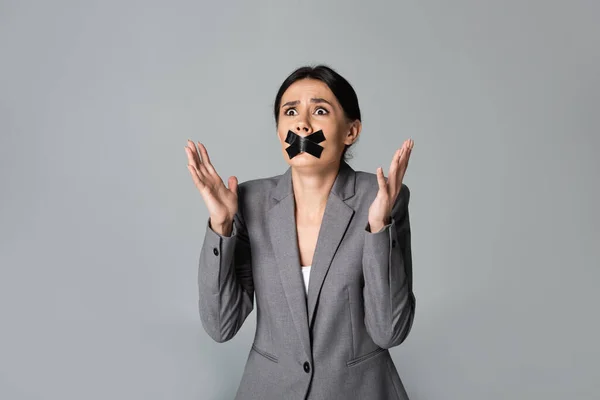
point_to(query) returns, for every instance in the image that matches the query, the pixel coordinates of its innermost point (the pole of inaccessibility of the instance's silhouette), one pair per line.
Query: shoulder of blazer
(256, 192)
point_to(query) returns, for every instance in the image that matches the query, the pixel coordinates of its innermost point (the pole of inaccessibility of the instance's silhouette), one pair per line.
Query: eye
(325, 112)
(286, 112)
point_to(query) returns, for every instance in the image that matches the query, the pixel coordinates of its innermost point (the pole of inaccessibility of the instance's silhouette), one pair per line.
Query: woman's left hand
(380, 210)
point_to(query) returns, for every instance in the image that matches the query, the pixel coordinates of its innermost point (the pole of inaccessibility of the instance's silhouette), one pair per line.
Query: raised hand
(381, 209)
(221, 201)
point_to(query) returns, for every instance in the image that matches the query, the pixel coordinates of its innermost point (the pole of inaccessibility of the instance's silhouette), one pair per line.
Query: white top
(306, 275)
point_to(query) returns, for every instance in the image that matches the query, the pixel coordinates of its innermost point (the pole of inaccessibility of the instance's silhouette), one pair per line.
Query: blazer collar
(343, 187)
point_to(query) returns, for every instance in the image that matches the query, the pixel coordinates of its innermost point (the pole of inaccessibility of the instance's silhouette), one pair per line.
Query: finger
(202, 168)
(196, 178)
(402, 151)
(194, 152)
(398, 153)
(405, 151)
(393, 173)
(412, 143)
(190, 155)
(402, 162)
(395, 158)
(192, 161)
(206, 160)
(405, 159)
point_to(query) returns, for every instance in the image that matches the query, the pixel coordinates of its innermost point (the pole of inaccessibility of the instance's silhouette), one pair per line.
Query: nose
(303, 127)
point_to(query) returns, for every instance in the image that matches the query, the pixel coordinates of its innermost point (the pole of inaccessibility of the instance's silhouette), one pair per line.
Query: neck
(312, 187)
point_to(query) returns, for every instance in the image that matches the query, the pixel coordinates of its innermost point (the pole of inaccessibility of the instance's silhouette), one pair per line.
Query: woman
(347, 231)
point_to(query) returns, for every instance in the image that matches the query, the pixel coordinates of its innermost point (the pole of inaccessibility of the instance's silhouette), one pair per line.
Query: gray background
(101, 225)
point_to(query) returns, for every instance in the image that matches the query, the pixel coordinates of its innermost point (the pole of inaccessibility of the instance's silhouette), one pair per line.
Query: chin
(304, 160)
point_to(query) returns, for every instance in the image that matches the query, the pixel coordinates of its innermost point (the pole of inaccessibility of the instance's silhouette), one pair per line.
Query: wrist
(223, 228)
(377, 224)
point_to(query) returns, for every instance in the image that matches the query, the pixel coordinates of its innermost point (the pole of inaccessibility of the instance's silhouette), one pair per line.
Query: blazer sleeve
(389, 300)
(226, 288)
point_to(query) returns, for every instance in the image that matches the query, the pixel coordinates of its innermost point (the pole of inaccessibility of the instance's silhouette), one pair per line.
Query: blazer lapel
(281, 220)
(336, 219)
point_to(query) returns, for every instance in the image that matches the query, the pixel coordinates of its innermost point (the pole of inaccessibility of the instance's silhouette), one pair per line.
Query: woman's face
(307, 106)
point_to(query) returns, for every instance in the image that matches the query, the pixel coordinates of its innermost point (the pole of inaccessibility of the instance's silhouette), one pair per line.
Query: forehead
(305, 89)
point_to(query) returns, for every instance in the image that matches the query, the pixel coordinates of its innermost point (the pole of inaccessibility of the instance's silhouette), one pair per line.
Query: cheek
(335, 138)
(281, 135)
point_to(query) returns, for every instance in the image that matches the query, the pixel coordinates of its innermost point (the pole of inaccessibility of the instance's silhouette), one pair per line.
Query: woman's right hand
(222, 202)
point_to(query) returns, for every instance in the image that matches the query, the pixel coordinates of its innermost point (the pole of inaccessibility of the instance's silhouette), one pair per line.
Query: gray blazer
(333, 343)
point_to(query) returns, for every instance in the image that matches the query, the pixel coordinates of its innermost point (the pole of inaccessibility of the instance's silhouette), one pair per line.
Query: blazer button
(215, 251)
(393, 243)
(306, 367)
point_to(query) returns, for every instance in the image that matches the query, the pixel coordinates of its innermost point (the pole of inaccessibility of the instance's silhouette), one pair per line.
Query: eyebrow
(313, 100)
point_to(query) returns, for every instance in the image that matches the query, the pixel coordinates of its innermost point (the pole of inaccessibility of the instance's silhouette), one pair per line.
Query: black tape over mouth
(305, 144)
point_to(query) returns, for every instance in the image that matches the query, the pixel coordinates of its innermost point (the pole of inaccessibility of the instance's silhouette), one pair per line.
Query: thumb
(233, 184)
(381, 179)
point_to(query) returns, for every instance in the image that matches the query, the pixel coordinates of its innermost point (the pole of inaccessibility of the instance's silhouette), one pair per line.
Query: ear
(353, 132)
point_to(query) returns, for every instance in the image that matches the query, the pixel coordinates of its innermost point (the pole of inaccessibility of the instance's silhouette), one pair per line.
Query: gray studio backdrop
(101, 225)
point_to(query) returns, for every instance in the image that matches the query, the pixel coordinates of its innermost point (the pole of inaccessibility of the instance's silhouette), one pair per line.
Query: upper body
(351, 227)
